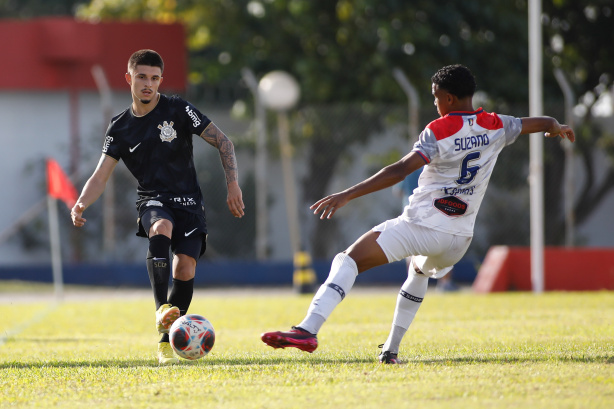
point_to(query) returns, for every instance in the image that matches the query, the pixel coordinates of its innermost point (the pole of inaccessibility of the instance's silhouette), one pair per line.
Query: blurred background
(363, 72)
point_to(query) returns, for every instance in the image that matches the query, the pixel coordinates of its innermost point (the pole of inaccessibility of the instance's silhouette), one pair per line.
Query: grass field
(511, 350)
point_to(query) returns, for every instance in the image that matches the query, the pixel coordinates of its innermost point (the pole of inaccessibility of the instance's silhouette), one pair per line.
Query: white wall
(36, 125)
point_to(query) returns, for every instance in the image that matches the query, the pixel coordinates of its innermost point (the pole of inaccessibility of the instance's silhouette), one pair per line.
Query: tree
(578, 39)
(344, 51)
(341, 52)
(23, 9)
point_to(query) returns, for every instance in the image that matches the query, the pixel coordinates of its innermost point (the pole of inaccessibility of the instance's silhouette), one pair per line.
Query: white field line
(26, 324)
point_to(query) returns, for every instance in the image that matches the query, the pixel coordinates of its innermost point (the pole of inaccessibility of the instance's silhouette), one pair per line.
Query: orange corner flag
(58, 184)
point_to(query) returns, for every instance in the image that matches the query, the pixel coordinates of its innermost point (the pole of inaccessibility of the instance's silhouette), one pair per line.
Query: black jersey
(157, 149)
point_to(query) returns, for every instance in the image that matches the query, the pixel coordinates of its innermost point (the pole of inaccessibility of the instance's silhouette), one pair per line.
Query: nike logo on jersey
(158, 258)
(133, 148)
(190, 232)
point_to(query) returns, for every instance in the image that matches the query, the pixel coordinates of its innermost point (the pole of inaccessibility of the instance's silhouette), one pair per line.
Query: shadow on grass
(212, 363)
(54, 340)
(601, 359)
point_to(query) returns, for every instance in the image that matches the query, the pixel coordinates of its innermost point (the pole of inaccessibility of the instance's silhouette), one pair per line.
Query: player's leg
(184, 268)
(158, 222)
(364, 254)
(159, 225)
(409, 301)
(184, 271)
(444, 251)
(400, 240)
(187, 249)
(159, 267)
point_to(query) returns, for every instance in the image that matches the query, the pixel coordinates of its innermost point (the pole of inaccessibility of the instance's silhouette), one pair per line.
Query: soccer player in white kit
(459, 151)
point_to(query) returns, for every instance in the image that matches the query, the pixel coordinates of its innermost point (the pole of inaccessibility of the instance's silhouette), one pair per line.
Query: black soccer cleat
(295, 338)
(387, 357)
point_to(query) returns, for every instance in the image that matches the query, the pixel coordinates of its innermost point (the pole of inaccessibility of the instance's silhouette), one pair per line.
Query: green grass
(511, 350)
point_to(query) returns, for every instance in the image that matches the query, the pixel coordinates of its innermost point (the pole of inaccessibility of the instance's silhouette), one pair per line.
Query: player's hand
(330, 204)
(235, 200)
(564, 131)
(76, 214)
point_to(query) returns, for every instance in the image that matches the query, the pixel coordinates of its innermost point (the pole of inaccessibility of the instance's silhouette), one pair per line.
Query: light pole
(568, 148)
(108, 212)
(262, 219)
(413, 104)
(280, 92)
(536, 146)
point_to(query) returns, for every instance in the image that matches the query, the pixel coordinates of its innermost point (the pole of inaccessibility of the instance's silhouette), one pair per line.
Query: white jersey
(460, 150)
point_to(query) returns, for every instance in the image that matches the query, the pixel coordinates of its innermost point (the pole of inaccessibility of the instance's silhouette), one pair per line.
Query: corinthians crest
(167, 133)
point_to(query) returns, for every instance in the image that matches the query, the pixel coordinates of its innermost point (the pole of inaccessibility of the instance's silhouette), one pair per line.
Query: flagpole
(56, 252)
(58, 187)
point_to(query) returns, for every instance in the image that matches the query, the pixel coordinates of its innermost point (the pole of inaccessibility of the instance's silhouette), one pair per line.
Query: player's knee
(184, 273)
(163, 226)
(415, 268)
(185, 268)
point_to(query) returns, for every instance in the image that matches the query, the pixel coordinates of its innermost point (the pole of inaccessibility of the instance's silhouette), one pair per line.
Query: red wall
(58, 53)
(566, 269)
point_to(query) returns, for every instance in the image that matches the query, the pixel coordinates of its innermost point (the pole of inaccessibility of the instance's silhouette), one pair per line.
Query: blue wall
(216, 273)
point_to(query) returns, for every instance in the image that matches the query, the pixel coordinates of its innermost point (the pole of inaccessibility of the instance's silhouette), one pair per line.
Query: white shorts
(434, 252)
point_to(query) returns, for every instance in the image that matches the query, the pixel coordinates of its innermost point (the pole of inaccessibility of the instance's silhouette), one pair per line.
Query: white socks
(340, 280)
(343, 272)
(409, 300)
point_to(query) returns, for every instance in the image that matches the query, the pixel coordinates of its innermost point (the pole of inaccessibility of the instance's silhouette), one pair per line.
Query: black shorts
(189, 229)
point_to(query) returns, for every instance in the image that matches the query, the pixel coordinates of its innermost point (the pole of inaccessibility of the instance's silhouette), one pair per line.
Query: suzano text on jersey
(460, 151)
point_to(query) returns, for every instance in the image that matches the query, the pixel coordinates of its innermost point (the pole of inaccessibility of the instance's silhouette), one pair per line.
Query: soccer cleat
(295, 338)
(165, 316)
(166, 355)
(387, 357)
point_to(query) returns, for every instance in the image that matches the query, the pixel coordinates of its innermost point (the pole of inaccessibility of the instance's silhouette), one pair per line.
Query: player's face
(144, 82)
(443, 100)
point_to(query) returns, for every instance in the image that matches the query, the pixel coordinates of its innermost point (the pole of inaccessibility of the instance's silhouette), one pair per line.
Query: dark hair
(145, 57)
(456, 79)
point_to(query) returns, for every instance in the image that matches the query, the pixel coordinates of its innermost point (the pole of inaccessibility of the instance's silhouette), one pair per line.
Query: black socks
(181, 294)
(159, 270)
(159, 267)
(181, 297)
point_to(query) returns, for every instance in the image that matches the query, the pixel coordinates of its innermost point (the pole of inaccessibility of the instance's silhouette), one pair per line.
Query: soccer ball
(192, 336)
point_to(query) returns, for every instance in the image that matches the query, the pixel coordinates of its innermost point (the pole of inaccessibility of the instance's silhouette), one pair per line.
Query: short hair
(145, 57)
(456, 79)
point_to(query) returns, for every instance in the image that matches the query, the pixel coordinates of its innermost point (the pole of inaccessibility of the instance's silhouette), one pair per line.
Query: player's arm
(548, 125)
(216, 138)
(93, 188)
(386, 177)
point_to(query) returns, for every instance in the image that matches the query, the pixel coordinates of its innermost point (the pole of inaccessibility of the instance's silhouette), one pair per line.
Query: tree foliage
(23, 9)
(578, 40)
(344, 51)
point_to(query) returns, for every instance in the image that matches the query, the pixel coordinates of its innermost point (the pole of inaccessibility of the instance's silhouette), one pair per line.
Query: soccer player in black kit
(154, 139)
